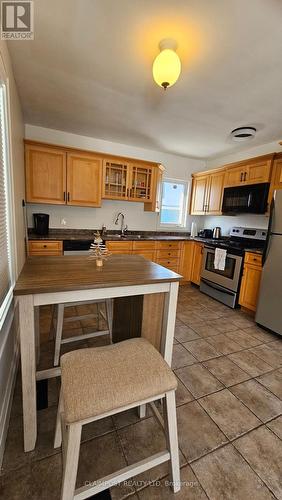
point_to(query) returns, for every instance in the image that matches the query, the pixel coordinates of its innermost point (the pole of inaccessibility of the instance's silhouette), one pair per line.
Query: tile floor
(229, 409)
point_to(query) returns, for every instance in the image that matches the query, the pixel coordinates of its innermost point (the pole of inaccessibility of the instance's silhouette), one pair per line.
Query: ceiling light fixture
(167, 65)
(241, 134)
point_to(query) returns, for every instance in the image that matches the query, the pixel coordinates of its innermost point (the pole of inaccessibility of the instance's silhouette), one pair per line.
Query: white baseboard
(7, 402)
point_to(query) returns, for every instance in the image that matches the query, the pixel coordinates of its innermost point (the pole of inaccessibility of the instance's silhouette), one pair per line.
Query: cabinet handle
(68, 196)
(64, 196)
(241, 176)
(169, 253)
(44, 246)
(245, 176)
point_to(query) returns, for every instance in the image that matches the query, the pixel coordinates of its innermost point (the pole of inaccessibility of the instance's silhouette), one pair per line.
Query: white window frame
(9, 193)
(165, 225)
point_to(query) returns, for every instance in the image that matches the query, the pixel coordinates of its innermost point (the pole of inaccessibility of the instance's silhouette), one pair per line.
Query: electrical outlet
(63, 222)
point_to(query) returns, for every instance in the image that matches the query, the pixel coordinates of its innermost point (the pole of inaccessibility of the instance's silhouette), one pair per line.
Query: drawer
(172, 264)
(253, 258)
(44, 247)
(168, 254)
(143, 245)
(163, 245)
(119, 245)
(147, 254)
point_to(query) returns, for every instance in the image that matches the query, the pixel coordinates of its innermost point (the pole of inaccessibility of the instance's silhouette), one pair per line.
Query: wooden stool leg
(59, 332)
(109, 313)
(71, 461)
(142, 411)
(58, 431)
(172, 439)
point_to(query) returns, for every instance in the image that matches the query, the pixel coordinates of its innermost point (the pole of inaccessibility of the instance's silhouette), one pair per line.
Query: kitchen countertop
(76, 234)
(86, 234)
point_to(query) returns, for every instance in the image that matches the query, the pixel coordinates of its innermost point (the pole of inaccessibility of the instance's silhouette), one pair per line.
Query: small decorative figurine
(98, 250)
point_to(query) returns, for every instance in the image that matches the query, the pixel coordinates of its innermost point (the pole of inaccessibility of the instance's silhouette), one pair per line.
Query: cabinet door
(119, 246)
(259, 171)
(215, 193)
(199, 194)
(115, 179)
(45, 175)
(155, 204)
(84, 180)
(277, 174)
(234, 176)
(197, 263)
(187, 260)
(141, 183)
(147, 254)
(250, 287)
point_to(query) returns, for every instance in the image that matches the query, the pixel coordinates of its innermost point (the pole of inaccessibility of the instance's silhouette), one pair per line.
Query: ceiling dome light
(167, 65)
(243, 133)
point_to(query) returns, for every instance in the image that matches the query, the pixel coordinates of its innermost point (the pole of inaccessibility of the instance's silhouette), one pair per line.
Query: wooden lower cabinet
(45, 247)
(251, 281)
(168, 254)
(119, 246)
(197, 262)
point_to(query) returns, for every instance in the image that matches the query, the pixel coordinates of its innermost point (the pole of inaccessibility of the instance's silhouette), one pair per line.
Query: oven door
(229, 278)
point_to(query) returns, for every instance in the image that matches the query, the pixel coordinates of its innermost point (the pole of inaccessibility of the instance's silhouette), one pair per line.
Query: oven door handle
(216, 287)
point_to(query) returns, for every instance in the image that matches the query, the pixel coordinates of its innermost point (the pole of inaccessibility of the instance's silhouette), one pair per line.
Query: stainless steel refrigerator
(269, 309)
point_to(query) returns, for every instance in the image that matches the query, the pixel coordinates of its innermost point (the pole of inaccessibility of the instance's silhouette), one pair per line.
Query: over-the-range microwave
(250, 199)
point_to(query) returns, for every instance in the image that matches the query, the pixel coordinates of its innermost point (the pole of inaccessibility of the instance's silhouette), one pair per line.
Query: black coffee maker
(41, 223)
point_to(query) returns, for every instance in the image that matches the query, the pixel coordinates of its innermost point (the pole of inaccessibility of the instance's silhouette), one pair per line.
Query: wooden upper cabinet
(141, 182)
(277, 172)
(259, 171)
(45, 175)
(155, 204)
(207, 193)
(84, 180)
(215, 193)
(253, 171)
(234, 176)
(115, 179)
(199, 195)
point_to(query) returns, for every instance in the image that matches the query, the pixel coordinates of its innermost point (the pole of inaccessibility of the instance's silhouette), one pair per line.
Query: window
(6, 280)
(174, 203)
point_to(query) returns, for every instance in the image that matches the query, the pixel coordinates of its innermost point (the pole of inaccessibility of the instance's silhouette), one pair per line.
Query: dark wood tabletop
(79, 272)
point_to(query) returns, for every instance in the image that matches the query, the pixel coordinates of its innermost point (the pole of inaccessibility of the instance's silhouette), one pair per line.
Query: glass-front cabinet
(141, 183)
(128, 181)
(115, 184)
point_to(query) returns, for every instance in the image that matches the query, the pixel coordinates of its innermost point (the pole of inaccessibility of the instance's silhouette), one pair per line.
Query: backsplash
(245, 220)
(90, 218)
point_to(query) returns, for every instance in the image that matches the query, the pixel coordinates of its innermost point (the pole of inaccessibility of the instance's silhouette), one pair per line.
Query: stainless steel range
(224, 285)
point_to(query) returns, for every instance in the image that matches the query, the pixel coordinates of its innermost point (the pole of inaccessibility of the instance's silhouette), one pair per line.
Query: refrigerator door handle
(266, 248)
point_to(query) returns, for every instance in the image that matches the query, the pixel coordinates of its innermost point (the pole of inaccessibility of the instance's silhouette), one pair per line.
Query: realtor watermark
(17, 20)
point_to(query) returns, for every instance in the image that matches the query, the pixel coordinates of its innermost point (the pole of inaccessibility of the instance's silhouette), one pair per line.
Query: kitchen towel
(219, 259)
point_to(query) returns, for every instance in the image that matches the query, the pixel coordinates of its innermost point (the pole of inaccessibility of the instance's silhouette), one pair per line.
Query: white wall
(270, 147)
(9, 331)
(226, 222)
(177, 167)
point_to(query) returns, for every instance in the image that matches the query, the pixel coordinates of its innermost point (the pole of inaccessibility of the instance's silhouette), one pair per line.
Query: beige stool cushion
(100, 379)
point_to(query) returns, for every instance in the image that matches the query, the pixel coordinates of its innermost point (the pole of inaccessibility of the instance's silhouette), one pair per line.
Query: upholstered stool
(60, 311)
(102, 381)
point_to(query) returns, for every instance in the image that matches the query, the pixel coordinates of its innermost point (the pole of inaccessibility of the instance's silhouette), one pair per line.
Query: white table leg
(169, 316)
(28, 365)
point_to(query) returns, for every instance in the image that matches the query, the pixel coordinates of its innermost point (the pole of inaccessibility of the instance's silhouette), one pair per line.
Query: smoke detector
(241, 134)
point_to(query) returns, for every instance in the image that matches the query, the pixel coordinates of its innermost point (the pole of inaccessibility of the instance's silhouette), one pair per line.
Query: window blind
(5, 256)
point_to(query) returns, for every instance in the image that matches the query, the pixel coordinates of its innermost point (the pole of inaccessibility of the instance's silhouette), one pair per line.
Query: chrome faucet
(123, 228)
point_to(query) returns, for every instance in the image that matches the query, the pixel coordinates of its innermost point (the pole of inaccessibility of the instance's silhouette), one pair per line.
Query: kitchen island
(65, 279)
